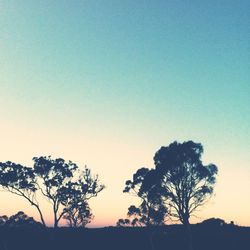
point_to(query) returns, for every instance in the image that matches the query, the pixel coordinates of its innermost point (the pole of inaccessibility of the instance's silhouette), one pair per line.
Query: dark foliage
(67, 187)
(151, 210)
(213, 222)
(178, 185)
(186, 182)
(20, 219)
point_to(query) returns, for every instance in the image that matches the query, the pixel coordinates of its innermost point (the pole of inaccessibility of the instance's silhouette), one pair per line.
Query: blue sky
(126, 76)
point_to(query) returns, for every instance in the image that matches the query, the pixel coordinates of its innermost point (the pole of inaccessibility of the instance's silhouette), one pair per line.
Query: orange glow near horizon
(111, 204)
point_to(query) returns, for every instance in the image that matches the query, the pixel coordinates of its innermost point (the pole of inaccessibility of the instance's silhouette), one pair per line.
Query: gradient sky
(107, 83)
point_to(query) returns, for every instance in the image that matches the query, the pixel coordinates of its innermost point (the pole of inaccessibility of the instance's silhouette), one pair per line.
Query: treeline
(20, 219)
(174, 188)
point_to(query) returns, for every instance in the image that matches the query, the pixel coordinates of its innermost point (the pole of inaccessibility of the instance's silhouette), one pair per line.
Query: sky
(107, 83)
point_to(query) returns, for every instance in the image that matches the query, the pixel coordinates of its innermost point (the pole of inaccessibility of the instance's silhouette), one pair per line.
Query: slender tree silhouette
(77, 214)
(75, 195)
(151, 211)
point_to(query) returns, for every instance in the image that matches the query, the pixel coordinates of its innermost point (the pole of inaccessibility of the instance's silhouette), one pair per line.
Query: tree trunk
(148, 216)
(55, 220)
(37, 207)
(55, 224)
(41, 215)
(55, 216)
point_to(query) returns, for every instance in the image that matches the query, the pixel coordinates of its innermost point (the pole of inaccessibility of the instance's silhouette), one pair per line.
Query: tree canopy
(151, 210)
(177, 186)
(186, 181)
(66, 186)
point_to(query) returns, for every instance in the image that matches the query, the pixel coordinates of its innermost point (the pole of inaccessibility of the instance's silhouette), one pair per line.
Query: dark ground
(169, 237)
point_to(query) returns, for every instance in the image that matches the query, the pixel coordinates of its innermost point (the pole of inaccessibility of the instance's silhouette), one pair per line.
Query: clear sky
(107, 83)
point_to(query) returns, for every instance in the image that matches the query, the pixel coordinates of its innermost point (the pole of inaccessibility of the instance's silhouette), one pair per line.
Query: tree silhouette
(3, 220)
(20, 180)
(151, 211)
(53, 175)
(123, 222)
(77, 214)
(75, 196)
(20, 219)
(186, 182)
(139, 216)
(179, 182)
(64, 185)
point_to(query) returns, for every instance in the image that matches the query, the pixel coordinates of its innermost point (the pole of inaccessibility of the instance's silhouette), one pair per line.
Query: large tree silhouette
(187, 183)
(64, 185)
(179, 180)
